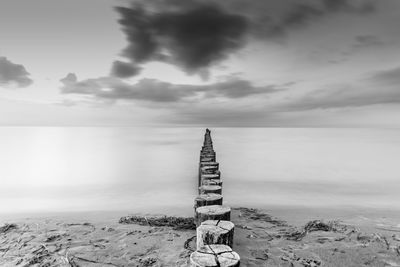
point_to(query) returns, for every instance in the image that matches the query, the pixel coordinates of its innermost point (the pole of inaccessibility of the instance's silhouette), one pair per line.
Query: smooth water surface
(49, 169)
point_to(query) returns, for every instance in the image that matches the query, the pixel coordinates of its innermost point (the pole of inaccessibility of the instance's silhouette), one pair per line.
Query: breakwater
(214, 229)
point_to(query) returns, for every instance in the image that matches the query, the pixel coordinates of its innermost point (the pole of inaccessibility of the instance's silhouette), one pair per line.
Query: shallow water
(48, 169)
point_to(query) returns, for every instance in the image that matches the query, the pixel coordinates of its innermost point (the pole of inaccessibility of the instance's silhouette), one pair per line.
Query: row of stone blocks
(214, 228)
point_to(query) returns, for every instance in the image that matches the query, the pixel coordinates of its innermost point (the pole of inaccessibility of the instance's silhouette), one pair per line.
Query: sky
(237, 63)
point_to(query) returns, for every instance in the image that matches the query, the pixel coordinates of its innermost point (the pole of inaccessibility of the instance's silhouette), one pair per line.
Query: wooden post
(213, 232)
(204, 177)
(210, 189)
(208, 169)
(209, 163)
(207, 152)
(207, 155)
(213, 212)
(208, 159)
(212, 182)
(211, 176)
(215, 256)
(208, 200)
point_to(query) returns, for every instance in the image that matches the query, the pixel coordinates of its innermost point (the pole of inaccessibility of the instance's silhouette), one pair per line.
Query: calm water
(46, 169)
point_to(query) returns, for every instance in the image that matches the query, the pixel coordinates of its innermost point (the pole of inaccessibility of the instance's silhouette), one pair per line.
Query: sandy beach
(260, 239)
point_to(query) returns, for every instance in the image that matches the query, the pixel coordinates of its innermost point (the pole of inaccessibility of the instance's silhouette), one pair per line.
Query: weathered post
(215, 256)
(208, 200)
(214, 229)
(209, 169)
(212, 176)
(215, 232)
(212, 182)
(210, 189)
(209, 163)
(213, 212)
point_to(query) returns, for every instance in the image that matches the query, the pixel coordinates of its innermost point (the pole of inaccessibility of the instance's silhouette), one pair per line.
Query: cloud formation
(13, 75)
(381, 87)
(193, 37)
(365, 41)
(388, 77)
(378, 88)
(297, 14)
(122, 69)
(157, 91)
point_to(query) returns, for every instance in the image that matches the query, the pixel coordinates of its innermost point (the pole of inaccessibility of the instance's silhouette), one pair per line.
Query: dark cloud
(122, 69)
(192, 37)
(158, 91)
(197, 34)
(13, 75)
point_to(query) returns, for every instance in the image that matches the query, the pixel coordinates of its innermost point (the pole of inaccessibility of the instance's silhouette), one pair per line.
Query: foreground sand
(260, 240)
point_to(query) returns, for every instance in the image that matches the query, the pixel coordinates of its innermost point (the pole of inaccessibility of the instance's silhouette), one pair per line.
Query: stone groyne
(214, 229)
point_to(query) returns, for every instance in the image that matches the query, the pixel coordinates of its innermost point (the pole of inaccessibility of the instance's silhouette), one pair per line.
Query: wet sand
(98, 239)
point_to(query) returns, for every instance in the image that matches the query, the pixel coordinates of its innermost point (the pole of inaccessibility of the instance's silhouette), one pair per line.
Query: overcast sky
(200, 62)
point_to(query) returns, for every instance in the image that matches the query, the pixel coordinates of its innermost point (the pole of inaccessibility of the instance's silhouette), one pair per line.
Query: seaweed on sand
(8, 227)
(316, 225)
(255, 214)
(177, 223)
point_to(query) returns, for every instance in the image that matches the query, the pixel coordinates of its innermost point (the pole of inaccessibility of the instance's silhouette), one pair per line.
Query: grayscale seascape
(199, 133)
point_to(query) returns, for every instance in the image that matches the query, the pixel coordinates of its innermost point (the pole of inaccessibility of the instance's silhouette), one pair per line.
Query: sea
(154, 170)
